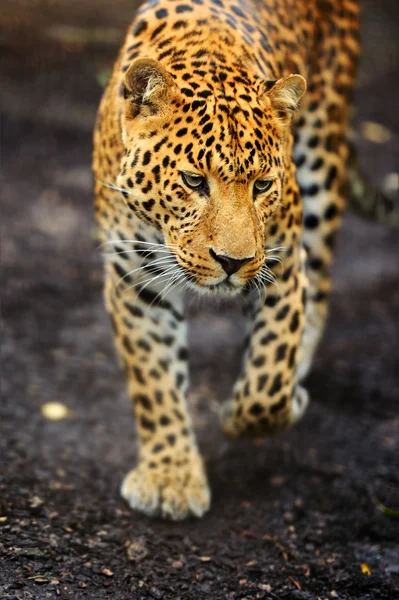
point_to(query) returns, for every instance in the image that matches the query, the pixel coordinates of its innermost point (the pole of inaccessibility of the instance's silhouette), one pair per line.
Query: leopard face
(206, 168)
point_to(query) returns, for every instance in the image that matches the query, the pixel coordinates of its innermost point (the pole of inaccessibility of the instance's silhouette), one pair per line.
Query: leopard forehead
(229, 133)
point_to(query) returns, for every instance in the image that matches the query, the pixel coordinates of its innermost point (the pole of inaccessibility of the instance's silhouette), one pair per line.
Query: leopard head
(204, 163)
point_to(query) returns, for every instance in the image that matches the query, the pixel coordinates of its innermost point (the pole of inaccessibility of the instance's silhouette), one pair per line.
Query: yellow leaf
(375, 132)
(54, 411)
(365, 569)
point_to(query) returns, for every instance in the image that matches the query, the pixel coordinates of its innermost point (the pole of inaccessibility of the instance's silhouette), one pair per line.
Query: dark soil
(292, 517)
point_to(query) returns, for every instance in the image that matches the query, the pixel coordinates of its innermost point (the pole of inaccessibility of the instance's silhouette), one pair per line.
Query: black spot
(269, 337)
(137, 372)
(283, 312)
(259, 325)
(134, 310)
(279, 405)
(180, 24)
(158, 397)
(121, 272)
(143, 400)
(158, 30)
(147, 423)
(174, 396)
(318, 163)
(179, 380)
(262, 380)
(210, 141)
(164, 420)
(281, 352)
(294, 323)
(319, 297)
(183, 8)
(331, 212)
(300, 160)
(238, 11)
(149, 204)
(139, 177)
(276, 385)
(161, 13)
(158, 448)
(312, 190)
(178, 414)
(311, 221)
(287, 274)
(259, 361)
(159, 145)
(313, 141)
(140, 27)
(187, 92)
(144, 345)
(127, 345)
(181, 132)
(271, 301)
(171, 438)
(182, 354)
(315, 263)
(154, 374)
(291, 360)
(332, 174)
(146, 158)
(256, 409)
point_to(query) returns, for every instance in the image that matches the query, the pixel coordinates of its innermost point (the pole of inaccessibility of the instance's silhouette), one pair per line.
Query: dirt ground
(299, 516)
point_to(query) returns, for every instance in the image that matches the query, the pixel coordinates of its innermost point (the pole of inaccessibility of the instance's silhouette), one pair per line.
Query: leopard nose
(230, 265)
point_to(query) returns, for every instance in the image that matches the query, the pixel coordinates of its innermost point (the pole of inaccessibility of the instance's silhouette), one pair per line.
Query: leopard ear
(148, 88)
(285, 94)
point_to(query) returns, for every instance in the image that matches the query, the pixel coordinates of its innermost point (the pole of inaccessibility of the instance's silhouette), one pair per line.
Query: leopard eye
(194, 182)
(262, 185)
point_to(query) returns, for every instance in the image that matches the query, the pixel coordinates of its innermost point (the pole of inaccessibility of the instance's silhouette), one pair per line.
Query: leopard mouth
(225, 287)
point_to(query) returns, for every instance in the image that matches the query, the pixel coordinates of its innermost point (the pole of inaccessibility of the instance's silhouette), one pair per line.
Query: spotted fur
(212, 92)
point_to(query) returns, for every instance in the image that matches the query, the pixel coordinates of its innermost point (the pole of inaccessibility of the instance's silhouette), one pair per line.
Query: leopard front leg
(169, 479)
(267, 397)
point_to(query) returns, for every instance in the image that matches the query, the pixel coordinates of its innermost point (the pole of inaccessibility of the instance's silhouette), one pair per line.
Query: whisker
(275, 249)
(159, 261)
(146, 282)
(162, 292)
(154, 244)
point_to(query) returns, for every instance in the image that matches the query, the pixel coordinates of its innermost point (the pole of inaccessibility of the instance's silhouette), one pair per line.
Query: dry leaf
(54, 411)
(296, 583)
(107, 572)
(265, 587)
(375, 132)
(136, 550)
(365, 569)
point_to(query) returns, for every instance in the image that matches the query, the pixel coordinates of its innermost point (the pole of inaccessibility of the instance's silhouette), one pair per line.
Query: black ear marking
(269, 84)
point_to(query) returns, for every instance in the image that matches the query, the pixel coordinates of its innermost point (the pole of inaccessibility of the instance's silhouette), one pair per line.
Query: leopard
(220, 162)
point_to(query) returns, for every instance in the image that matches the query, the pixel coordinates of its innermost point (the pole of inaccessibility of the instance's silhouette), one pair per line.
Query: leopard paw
(258, 418)
(174, 491)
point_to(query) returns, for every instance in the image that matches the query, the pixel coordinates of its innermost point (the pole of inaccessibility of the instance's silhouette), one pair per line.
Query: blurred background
(317, 496)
